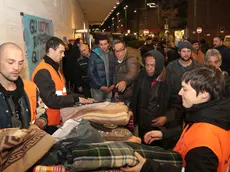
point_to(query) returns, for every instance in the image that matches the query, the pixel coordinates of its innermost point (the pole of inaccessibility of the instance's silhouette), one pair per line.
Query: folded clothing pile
(101, 113)
(112, 155)
(21, 149)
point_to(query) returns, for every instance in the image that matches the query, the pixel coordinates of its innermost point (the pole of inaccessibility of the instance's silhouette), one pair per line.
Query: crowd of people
(179, 99)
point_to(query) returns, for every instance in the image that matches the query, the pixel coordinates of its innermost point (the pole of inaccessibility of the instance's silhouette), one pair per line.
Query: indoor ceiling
(97, 10)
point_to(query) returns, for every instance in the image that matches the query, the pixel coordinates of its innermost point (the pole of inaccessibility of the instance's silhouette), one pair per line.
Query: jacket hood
(216, 112)
(159, 61)
(97, 51)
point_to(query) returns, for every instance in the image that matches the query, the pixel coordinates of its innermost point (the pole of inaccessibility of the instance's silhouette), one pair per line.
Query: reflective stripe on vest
(31, 91)
(59, 81)
(206, 135)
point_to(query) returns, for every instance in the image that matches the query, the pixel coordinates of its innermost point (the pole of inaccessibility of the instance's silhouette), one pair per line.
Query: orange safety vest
(31, 91)
(54, 117)
(206, 135)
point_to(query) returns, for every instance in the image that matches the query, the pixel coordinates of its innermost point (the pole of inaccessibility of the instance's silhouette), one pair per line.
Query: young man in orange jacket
(204, 142)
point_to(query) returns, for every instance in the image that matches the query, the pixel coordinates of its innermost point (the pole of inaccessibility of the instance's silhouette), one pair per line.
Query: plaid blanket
(113, 155)
(21, 149)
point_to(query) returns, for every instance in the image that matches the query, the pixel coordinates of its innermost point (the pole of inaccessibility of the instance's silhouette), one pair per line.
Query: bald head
(8, 46)
(84, 49)
(11, 61)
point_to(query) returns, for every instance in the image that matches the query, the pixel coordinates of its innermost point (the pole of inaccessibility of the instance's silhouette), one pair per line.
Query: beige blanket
(102, 113)
(21, 149)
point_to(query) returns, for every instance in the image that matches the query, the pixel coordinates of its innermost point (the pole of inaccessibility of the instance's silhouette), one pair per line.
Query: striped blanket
(112, 155)
(21, 149)
(101, 113)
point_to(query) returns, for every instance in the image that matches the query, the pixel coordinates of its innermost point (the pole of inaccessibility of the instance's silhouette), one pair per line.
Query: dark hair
(194, 41)
(220, 38)
(206, 79)
(77, 41)
(53, 42)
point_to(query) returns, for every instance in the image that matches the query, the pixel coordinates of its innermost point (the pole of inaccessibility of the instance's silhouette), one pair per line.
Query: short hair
(194, 41)
(119, 42)
(212, 52)
(53, 42)
(206, 79)
(220, 38)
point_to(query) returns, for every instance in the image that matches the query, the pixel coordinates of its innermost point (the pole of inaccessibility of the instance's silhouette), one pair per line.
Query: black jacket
(83, 63)
(174, 72)
(8, 106)
(200, 159)
(225, 53)
(148, 102)
(47, 88)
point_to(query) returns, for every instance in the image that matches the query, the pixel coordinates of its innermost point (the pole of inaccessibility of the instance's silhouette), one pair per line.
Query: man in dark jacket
(126, 70)
(204, 143)
(149, 99)
(174, 72)
(16, 104)
(225, 53)
(101, 70)
(148, 45)
(51, 83)
(83, 63)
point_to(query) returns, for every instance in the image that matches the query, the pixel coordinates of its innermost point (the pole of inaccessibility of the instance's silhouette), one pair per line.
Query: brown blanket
(102, 113)
(21, 149)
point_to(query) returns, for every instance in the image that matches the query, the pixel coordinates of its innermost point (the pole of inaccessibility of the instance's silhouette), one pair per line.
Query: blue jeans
(99, 95)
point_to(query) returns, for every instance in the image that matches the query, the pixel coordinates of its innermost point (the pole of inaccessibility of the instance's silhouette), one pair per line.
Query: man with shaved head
(83, 62)
(18, 98)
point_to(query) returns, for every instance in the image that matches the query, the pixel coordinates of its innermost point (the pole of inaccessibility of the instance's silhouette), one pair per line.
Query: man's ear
(205, 95)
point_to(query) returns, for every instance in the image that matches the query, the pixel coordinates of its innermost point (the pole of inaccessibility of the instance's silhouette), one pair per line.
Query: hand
(80, 89)
(105, 89)
(111, 88)
(152, 136)
(138, 167)
(40, 123)
(121, 86)
(159, 122)
(86, 101)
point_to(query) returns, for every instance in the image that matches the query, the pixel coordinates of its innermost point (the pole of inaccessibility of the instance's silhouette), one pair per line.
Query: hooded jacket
(149, 93)
(200, 159)
(97, 71)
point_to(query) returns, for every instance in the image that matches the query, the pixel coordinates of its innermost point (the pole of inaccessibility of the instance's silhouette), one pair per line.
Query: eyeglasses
(118, 51)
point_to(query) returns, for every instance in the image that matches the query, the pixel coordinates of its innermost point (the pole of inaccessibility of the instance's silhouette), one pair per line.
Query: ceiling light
(114, 7)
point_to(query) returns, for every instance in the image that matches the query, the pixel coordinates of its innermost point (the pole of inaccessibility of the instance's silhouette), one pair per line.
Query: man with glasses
(101, 71)
(126, 70)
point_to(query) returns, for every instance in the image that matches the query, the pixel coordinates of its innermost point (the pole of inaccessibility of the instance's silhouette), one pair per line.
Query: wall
(65, 14)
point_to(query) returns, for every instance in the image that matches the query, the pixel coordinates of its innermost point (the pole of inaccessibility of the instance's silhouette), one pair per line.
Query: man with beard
(174, 72)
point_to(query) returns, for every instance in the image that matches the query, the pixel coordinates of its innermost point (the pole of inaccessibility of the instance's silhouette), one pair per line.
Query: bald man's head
(11, 61)
(84, 49)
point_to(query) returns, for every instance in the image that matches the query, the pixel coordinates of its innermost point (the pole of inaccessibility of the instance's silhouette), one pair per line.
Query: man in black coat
(218, 43)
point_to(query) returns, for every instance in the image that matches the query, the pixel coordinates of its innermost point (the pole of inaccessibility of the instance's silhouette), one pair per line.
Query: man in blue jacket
(101, 70)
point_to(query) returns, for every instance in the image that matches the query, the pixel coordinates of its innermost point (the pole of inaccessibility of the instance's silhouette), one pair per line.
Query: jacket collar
(51, 62)
(214, 112)
(19, 85)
